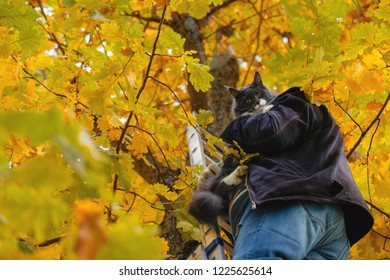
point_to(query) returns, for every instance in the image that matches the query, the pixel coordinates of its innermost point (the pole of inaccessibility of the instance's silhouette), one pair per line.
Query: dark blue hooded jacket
(302, 157)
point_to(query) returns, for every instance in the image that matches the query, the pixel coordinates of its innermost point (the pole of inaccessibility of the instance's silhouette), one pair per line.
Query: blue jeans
(292, 230)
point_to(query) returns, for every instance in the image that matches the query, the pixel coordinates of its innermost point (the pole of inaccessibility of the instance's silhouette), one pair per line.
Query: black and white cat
(213, 196)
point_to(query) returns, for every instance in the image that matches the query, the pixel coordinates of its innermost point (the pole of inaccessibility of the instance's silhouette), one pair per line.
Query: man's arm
(273, 132)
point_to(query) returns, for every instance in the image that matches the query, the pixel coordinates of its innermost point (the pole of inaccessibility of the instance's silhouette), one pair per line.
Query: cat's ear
(257, 79)
(234, 92)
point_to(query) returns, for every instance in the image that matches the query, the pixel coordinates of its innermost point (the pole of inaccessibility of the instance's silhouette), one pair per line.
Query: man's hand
(211, 170)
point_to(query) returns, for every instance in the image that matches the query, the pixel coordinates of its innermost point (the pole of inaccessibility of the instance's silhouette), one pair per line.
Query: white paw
(236, 176)
(267, 108)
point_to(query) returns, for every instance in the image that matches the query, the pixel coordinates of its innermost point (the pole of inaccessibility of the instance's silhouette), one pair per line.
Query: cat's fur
(212, 198)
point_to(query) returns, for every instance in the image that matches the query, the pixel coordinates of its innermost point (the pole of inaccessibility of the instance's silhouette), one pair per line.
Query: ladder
(216, 241)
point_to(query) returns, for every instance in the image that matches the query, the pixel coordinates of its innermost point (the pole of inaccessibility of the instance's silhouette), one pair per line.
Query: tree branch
(258, 34)
(368, 159)
(378, 209)
(177, 98)
(31, 76)
(127, 124)
(215, 9)
(147, 19)
(50, 241)
(140, 91)
(363, 135)
(348, 114)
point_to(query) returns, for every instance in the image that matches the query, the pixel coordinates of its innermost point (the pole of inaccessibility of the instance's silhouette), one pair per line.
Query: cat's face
(251, 97)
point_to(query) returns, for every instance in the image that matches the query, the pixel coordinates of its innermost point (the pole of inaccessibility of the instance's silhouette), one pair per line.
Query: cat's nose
(262, 102)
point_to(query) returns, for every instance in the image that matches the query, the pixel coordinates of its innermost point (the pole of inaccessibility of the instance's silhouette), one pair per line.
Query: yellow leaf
(20, 148)
(163, 190)
(139, 143)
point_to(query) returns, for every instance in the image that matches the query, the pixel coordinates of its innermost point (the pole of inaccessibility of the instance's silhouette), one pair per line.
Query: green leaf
(111, 31)
(169, 39)
(71, 155)
(37, 126)
(216, 2)
(129, 240)
(200, 78)
(189, 231)
(335, 10)
(69, 3)
(20, 20)
(197, 9)
(364, 33)
(123, 177)
(204, 118)
(384, 10)
(168, 133)
(90, 4)
(134, 30)
(303, 27)
(96, 15)
(363, 38)
(25, 247)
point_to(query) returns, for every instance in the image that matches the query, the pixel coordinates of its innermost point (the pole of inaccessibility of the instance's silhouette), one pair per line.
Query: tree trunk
(189, 28)
(224, 68)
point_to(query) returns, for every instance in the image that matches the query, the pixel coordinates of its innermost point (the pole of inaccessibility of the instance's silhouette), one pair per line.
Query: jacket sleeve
(273, 132)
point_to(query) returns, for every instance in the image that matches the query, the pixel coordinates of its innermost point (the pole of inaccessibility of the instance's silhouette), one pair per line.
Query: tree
(96, 96)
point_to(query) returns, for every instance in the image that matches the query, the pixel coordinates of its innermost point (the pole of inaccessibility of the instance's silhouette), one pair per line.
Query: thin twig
(147, 19)
(50, 241)
(348, 114)
(152, 204)
(258, 34)
(378, 209)
(177, 98)
(155, 141)
(364, 133)
(215, 9)
(368, 159)
(140, 91)
(31, 76)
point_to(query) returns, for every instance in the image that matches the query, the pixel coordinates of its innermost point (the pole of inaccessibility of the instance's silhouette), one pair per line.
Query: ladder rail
(213, 245)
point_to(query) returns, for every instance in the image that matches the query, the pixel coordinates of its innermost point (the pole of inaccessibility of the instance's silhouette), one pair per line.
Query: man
(299, 199)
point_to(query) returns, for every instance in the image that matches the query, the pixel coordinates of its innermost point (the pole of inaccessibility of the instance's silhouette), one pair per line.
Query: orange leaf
(126, 51)
(373, 106)
(161, 3)
(91, 234)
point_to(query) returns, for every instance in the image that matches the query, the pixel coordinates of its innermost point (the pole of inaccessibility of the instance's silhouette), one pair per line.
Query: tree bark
(189, 28)
(224, 68)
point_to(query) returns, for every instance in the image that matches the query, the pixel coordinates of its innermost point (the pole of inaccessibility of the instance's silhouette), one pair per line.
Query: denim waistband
(237, 207)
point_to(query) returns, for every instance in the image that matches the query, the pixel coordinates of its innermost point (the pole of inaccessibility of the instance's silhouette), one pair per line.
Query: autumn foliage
(96, 97)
